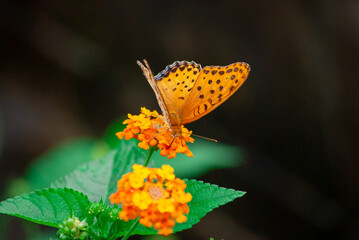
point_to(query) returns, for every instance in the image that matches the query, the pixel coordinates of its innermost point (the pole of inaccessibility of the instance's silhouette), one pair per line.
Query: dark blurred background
(68, 69)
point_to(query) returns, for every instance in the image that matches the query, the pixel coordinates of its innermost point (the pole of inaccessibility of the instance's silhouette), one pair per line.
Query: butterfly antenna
(210, 139)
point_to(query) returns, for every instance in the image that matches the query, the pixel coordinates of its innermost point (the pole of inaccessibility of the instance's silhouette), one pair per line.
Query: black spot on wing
(166, 74)
(174, 67)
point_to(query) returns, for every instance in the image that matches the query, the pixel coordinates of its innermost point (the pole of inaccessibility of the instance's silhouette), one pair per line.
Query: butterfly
(186, 92)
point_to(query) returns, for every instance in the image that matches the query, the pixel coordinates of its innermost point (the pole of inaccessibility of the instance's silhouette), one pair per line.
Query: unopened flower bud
(114, 213)
(97, 208)
(82, 225)
(62, 236)
(73, 228)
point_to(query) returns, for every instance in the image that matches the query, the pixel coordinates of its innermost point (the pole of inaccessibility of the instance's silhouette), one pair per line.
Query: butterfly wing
(175, 84)
(213, 86)
(151, 80)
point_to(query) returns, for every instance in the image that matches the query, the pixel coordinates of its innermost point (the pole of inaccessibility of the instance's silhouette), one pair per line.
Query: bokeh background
(68, 69)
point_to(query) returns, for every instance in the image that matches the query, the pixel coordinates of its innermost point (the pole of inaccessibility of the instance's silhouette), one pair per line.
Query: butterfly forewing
(176, 83)
(151, 80)
(213, 86)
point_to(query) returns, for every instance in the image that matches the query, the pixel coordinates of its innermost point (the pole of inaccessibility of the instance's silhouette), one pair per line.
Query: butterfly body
(186, 92)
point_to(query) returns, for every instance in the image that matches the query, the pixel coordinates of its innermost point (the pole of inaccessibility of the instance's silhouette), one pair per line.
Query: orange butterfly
(186, 92)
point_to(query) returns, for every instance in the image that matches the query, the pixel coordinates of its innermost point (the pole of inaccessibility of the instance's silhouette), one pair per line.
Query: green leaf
(98, 179)
(47, 206)
(60, 161)
(207, 156)
(205, 198)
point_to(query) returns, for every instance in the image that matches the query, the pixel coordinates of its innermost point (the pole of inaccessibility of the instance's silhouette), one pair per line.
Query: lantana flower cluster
(154, 195)
(151, 130)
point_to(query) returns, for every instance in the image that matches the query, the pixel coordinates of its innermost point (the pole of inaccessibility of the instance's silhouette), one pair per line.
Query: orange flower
(155, 195)
(150, 129)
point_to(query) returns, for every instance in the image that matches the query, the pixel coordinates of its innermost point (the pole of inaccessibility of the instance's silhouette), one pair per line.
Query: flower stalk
(149, 154)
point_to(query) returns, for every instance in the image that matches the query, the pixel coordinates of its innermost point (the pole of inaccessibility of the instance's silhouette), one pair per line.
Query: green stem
(149, 154)
(134, 225)
(131, 229)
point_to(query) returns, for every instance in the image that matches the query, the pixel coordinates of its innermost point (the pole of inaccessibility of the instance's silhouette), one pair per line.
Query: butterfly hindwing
(175, 83)
(213, 86)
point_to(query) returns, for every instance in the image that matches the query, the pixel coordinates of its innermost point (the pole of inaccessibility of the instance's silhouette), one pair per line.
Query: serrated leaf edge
(40, 192)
